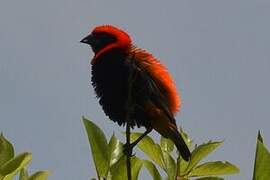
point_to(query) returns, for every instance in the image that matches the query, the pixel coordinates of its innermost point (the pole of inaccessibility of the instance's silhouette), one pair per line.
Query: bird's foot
(127, 149)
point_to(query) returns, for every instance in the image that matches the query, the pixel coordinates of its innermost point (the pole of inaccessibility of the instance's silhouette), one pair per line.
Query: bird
(128, 79)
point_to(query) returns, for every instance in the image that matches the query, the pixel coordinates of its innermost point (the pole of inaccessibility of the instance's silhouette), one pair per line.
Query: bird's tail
(179, 142)
(165, 125)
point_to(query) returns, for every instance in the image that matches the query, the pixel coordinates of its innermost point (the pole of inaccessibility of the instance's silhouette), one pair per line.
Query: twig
(128, 119)
(129, 152)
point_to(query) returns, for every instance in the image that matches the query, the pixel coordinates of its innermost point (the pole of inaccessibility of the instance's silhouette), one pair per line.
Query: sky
(217, 52)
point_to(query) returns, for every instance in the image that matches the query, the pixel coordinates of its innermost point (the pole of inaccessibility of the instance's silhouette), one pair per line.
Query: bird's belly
(110, 88)
(114, 103)
(110, 81)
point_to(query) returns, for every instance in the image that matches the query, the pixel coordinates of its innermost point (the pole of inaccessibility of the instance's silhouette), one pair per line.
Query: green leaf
(148, 146)
(14, 165)
(260, 138)
(119, 169)
(39, 175)
(210, 178)
(181, 163)
(186, 138)
(201, 152)
(214, 169)
(181, 166)
(99, 147)
(6, 150)
(23, 174)
(152, 170)
(115, 150)
(166, 144)
(262, 161)
(170, 165)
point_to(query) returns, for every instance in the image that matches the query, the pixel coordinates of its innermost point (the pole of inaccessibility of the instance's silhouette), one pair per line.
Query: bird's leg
(133, 144)
(128, 148)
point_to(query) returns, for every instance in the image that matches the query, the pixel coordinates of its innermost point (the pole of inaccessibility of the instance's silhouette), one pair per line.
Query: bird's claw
(127, 150)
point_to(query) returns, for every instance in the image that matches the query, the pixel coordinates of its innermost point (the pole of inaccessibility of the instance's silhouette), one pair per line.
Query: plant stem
(131, 79)
(129, 154)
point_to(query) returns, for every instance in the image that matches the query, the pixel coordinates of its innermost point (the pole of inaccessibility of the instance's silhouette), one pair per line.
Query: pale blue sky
(217, 52)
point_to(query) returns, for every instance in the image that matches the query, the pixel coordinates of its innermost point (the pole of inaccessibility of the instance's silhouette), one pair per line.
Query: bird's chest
(109, 79)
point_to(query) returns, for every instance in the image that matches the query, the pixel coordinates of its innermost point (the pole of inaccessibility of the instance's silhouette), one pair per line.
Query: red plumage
(160, 76)
(155, 100)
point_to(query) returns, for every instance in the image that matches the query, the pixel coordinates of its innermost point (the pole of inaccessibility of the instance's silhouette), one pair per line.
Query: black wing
(145, 89)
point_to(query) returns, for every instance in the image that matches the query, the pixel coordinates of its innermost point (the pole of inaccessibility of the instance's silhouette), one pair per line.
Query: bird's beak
(88, 39)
